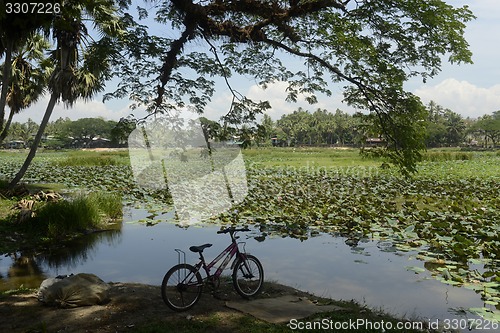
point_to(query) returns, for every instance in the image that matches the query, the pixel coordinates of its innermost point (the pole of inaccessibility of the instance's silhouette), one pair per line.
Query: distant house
(374, 142)
(15, 144)
(99, 142)
(280, 143)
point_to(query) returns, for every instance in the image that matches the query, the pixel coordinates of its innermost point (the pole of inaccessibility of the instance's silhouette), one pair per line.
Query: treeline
(444, 128)
(67, 133)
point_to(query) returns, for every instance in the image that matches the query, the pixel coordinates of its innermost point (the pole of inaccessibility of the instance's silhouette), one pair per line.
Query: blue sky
(471, 90)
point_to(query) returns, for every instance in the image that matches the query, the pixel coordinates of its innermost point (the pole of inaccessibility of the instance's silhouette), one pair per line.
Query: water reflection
(80, 250)
(24, 270)
(29, 269)
(367, 271)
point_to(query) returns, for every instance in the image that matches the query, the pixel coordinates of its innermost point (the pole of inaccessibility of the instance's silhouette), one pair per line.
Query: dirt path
(131, 305)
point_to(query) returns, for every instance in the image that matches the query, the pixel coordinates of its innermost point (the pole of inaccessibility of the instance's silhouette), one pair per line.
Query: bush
(58, 219)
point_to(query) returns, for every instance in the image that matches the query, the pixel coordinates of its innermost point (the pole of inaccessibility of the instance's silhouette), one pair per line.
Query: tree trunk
(38, 138)
(7, 71)
(3, 134)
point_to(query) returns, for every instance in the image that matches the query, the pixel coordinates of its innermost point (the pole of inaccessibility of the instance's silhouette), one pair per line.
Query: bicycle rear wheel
(181, 287)
(248, 276)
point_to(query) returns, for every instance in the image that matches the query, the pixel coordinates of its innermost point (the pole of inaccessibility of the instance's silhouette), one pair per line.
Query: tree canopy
(489, 127)
(371, 48)
(80, 61)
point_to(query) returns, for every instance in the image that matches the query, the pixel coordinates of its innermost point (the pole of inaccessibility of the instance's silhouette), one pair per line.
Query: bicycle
(182, 285)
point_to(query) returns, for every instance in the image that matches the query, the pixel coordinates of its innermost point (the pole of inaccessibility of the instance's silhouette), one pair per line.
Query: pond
(371, 273)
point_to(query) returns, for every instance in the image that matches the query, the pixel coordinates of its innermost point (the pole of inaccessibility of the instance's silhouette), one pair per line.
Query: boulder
(73, 291)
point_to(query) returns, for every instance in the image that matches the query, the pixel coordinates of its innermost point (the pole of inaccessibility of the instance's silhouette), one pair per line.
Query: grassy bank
(48, 222)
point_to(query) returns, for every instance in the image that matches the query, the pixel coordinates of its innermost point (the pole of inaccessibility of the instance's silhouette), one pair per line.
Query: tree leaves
(370, 47)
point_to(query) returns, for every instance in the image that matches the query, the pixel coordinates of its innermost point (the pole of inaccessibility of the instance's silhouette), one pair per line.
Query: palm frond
(28, 73)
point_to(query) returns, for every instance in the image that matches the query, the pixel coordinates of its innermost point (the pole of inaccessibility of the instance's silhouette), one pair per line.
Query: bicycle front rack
(241, 246)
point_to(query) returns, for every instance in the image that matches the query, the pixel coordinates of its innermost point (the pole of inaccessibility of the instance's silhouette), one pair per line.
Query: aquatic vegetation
(448, 213)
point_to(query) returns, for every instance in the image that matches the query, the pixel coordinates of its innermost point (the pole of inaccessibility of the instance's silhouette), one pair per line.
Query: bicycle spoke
(248, 276)
(181, 287)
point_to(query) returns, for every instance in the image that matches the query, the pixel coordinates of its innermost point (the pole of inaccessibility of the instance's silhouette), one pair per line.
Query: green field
(448, 212)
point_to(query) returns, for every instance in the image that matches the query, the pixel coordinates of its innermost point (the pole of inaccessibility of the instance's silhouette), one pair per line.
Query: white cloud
(81, 109)
(276, 95)
(462, 97)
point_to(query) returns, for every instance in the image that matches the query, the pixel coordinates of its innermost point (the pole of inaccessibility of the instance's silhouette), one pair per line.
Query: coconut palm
(81, 63)
(27, 82)
(15, 30)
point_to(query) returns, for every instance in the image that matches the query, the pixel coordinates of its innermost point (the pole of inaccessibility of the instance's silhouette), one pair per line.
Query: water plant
(83, 213)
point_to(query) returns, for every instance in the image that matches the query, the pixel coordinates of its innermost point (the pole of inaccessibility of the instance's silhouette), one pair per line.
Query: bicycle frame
(227, 254)
(183, 284)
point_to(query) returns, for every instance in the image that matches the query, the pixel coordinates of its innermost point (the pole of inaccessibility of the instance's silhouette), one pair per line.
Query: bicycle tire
(246, 282)
(178, 295)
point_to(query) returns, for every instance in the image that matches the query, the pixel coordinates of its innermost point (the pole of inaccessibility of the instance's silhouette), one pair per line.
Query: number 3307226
(32, 8)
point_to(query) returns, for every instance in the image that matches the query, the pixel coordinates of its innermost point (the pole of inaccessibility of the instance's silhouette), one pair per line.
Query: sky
(470, 90)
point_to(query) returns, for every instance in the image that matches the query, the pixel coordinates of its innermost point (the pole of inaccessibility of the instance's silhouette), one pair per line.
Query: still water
(323, 265)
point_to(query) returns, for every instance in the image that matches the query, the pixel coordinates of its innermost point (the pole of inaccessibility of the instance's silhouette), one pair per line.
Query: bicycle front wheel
(181, 287)
(248, 276)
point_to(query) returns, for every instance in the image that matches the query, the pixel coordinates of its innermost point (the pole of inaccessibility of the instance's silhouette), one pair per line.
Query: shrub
(58, 219)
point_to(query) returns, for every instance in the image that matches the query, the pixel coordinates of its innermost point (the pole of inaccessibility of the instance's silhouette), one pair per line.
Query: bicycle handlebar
(232, 230)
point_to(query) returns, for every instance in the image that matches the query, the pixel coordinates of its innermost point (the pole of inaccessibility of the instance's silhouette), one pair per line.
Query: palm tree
(455, 128)
(15, 29)
(81, 63)
(27, 82)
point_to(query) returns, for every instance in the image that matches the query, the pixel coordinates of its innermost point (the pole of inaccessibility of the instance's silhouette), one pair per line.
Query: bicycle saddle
(199, 248)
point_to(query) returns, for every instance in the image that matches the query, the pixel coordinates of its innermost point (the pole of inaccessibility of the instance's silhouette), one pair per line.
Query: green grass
(5, 208)
(109, 204)
(57, 220)
(71, 157)
(5, 203)
(447, 156)
(92, 158)
(308, 157)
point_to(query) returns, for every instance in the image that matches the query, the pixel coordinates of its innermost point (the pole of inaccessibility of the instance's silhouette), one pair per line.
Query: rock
(73, 291)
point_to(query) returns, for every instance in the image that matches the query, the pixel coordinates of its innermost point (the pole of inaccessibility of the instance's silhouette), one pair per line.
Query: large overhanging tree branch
(370, 47)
